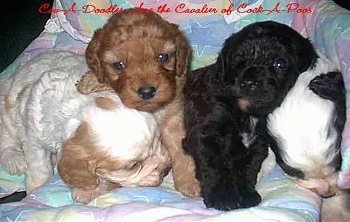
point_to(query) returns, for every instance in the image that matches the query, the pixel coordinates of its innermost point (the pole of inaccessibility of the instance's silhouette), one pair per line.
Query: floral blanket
(206, 23)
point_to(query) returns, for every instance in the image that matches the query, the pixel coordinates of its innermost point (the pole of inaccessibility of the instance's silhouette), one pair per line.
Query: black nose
(146, 92)
(249, 84)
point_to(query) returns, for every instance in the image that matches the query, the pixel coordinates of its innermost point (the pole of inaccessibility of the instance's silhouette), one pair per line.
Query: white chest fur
(122, 131)
(303, 125)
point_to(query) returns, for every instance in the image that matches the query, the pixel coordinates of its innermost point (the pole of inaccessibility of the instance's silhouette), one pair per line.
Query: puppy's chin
(254, 108)
(149, 105)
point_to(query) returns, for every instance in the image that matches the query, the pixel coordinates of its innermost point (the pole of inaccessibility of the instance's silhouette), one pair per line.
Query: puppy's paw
(229, 197)
(85, 196)
(14, 163)
(184, 177)
(189, 188)
(328, 86)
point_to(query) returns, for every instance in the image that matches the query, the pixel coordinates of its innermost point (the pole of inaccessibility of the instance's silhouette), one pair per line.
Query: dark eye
(119, 65)
(163, 57)
(280, 64)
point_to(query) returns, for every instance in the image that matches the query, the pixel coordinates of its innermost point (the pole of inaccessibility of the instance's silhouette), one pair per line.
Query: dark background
(343, 3)
(20, 24)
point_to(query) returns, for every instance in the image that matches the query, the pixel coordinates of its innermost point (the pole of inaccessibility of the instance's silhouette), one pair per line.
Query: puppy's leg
(258, 152)
(221, 166)
(183, 168)
(331, 86)
(39, 167)
(221, 163)
(11, 153)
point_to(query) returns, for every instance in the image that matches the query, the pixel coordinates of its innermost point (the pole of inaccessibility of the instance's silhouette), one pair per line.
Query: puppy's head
(141, 56)
(262, 62)
(120, 152)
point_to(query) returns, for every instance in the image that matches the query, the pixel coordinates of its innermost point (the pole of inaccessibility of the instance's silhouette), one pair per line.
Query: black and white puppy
(306, 133)
(307, 128)
(226, 107)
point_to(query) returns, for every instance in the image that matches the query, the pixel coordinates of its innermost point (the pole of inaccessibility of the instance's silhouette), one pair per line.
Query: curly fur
(226, 106)
(144, 59)
(98, 143)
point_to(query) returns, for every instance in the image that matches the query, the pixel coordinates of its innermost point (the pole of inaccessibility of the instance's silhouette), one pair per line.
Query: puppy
(306, 132)
(144, 59)
(99, 143)
(227, 104)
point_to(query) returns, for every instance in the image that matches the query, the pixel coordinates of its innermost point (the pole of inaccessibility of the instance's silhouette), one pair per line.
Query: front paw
(85, 196)
(328, 86)
(14, 163)
(230, 197)
(189, 188)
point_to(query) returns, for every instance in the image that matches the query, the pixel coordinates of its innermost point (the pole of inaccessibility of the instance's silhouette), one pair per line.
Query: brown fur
(137, 39)
(105, 103)
(80, 159)
(89, 83)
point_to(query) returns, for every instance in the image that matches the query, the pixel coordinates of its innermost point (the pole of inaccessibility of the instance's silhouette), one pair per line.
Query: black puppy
(226, 106)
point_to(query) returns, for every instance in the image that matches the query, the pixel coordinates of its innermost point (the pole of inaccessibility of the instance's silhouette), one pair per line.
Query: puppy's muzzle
(146, 92)
(249, 85)
(251, 79)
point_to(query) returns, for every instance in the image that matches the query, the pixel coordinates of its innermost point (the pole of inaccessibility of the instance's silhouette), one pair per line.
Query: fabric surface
(282, 200)
(324, 23)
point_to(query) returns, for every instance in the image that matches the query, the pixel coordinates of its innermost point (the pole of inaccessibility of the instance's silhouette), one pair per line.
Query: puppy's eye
(163, 57)
(119, 65)
(280, 64)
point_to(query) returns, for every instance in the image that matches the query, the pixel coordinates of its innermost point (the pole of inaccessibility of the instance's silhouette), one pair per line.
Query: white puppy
(41, 113)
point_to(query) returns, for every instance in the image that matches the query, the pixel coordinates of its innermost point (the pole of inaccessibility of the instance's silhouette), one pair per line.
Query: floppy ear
(93, 56)
(74, 167)
(183, 53)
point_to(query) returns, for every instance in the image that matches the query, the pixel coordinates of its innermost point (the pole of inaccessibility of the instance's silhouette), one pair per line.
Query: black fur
(231, 98)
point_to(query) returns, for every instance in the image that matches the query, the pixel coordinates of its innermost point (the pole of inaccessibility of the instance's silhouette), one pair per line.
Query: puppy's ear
(305, 53)
(74, 165)
(93, 56)
(183, 53)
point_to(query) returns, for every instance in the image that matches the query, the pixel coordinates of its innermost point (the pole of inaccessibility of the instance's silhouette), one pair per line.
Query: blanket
(70, 28)
(282, 201)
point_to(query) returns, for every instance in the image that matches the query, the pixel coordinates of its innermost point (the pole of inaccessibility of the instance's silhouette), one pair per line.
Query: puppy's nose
(249, 84)
(146, 92)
